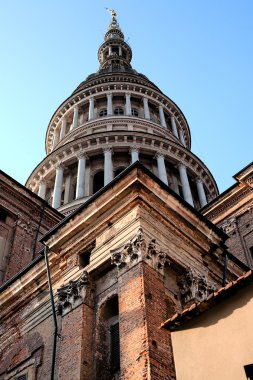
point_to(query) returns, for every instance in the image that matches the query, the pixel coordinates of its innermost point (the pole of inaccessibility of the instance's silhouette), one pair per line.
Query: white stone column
(162, 174)
(58, 186)
(75, 117)
(67, 188)
(181, 136)
(185, 184)
(91, 109)
(162, 117)
(56, 138)
(128, 104)
(109, 104)
(201, 192)
(120, 51)
(146, 109)
(174, 127)
(42, 189)
(80, 186)
(63, 127)
(110, 49)
(108, 166)
(134, 154)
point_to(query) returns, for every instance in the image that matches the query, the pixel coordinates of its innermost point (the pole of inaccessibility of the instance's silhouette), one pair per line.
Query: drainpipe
(225, 268)
(56, 334)
(38, 230)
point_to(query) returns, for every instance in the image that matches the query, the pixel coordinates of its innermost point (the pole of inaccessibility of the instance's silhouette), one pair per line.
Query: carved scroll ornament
(73, 294)
(140, 248)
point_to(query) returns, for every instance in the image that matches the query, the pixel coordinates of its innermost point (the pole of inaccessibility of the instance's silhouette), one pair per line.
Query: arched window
(118, 111)
(108, 360)
(103, 112)
(98, 181)
(135, 112)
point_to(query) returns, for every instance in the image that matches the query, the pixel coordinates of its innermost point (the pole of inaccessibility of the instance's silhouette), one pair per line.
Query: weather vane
(112, 13)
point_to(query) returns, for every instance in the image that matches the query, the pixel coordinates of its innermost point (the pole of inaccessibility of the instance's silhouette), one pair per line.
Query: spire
(114, 54)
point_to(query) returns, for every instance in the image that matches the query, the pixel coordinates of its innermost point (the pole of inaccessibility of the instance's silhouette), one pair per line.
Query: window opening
(249, 371)
(118, 171)
(135, 112)
(115, 348)
(103, 112)
(251, 251)
(98, 181)
(84, 257)
(118, 111)
(21, 377)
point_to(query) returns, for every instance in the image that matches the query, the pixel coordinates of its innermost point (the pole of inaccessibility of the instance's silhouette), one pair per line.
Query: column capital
(180, 164)
(108, 149)
(134, 148)
(109, 94)
(159, 154)
(127, 93)
(198, 180)
(59, 165)
(81, 154)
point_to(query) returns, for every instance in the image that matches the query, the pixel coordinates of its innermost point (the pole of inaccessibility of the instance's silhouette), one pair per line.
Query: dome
(113, 118)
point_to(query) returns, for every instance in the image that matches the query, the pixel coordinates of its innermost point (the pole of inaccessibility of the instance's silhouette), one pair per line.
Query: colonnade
(109, 175)
(60, 132)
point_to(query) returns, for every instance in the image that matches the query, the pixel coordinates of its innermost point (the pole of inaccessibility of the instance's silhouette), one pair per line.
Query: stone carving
(229, 225)
(138, 249)
(72, 295)
(194, 286)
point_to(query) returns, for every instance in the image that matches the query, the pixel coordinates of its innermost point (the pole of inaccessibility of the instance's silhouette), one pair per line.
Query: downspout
(56, 334)
(37, 231)
(225, 269)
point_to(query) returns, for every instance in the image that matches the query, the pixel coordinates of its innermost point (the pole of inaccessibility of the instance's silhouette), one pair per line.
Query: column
(181, 136)
(80, 175)
(162, 117)
(201, 192)
(67, 188)
(134, 154)
(128, 105)
(110, 50)
(91, 109)
(146, 109)
(63, 127)
(108, 167)
(174, 127)
(56, 138)
(58, 186)
(75, 117)
(185, 184)
(42, 189)
(109, 104)
(120, 51)
(161, 168)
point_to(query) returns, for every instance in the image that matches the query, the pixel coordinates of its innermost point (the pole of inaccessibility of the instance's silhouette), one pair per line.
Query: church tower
(114, 118)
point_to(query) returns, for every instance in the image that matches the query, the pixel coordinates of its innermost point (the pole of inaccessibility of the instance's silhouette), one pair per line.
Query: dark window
(118, 171)
(98, 181)
(115, 348)
(3, 215)
(134, 112)
(21, 377)
(249, 371)
(84, 257)
(103, 112)
(251, 252)
(118, 111)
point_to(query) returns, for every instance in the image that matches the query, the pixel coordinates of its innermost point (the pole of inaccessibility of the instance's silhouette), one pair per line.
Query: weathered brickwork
(24, 218)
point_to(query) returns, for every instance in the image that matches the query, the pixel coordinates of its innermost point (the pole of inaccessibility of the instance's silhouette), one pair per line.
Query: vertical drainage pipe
(54, 313)
(225, 269)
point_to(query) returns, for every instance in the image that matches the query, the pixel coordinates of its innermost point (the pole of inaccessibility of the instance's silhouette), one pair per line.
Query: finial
(112, 13)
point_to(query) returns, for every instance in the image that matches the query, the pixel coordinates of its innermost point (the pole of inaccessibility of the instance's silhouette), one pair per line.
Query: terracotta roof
(198, 308)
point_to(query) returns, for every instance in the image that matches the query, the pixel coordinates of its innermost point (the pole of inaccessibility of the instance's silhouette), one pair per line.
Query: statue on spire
(112, 13)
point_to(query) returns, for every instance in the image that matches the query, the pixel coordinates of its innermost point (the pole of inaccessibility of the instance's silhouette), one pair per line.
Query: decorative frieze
(74, 294)
(194, 286)
(139, 248)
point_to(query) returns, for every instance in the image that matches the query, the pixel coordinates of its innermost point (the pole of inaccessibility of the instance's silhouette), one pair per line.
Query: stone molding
(140, 248)
(194, 286)
(74, 294)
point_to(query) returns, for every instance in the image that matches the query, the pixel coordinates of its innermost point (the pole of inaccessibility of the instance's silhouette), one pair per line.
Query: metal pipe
(38, 230)
(53, 311)
(225, 269)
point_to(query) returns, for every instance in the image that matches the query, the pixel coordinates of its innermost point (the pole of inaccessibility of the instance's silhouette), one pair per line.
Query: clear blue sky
(199, 52)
